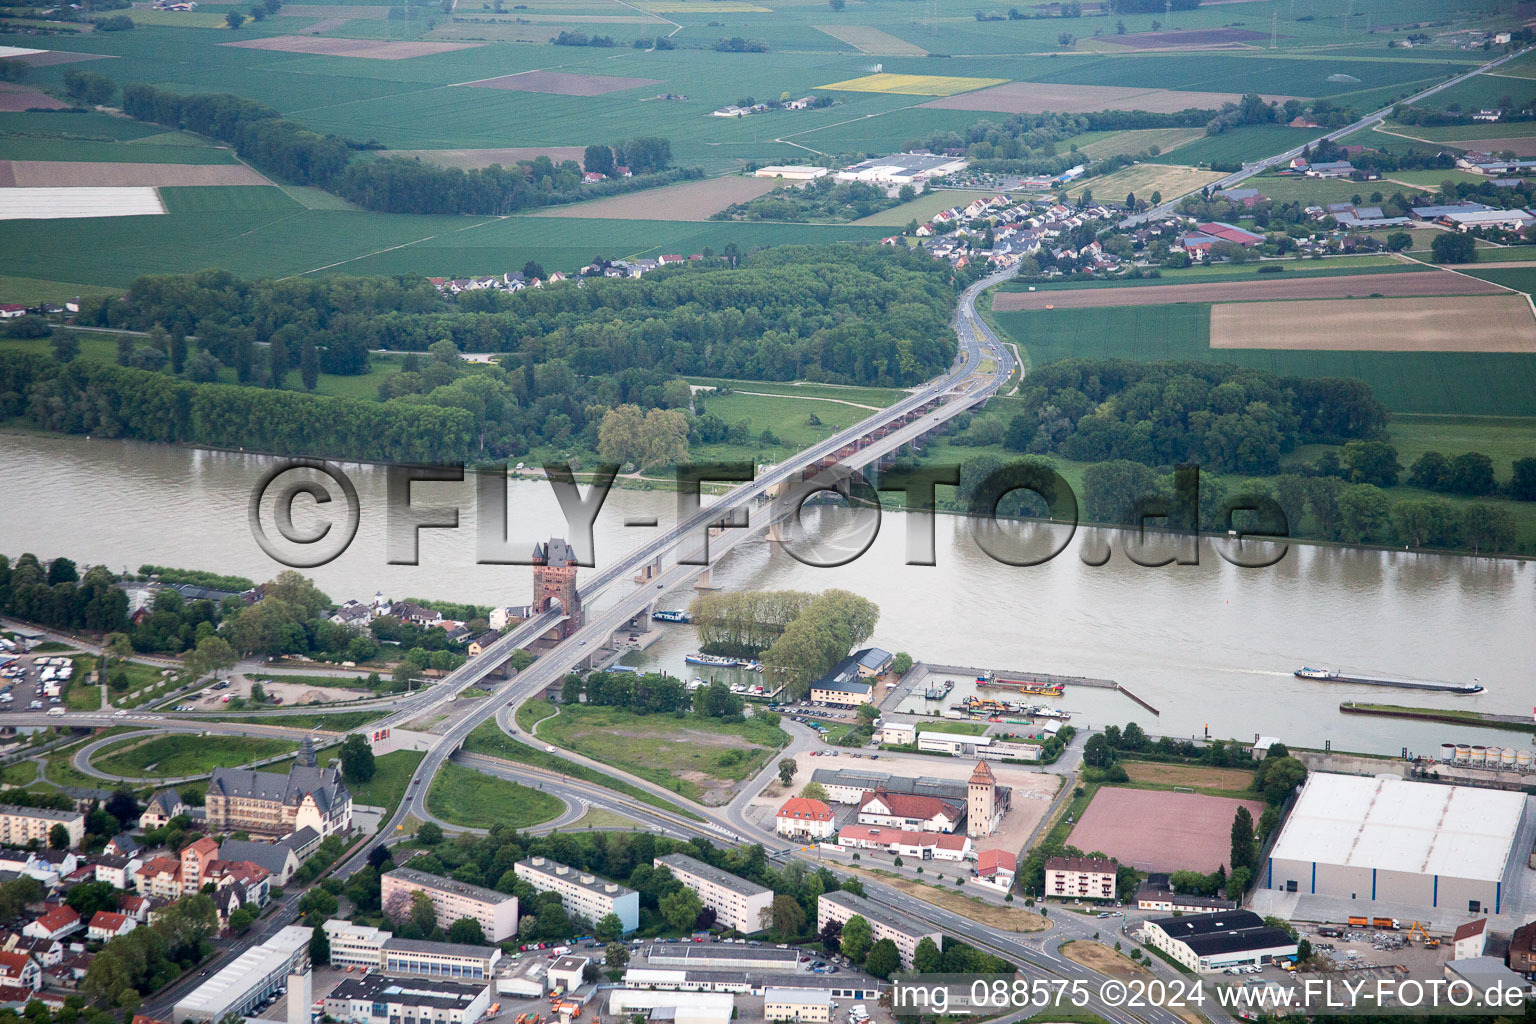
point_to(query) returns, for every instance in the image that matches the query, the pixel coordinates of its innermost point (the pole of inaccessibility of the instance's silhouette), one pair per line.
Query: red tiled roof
(108, 921)
(804, 808)
(991, 861)
(58, 917)
(886, 836)
(1097, 864)
(13, 964)
(904, 805)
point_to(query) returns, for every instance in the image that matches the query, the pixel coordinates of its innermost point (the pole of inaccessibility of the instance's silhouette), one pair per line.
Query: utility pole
(1168, 13)
(1274, 27)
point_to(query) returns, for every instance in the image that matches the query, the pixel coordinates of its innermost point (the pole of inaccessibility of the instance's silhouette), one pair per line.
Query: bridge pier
(706, 581)
(649, 571)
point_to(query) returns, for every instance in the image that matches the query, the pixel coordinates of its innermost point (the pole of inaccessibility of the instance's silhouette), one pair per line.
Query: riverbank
(1512, 723)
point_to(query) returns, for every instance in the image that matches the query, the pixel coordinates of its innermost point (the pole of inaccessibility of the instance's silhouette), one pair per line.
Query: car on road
(549, 750)
(119, 713)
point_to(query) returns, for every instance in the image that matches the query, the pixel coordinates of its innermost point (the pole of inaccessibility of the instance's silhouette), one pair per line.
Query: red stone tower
(554, 579)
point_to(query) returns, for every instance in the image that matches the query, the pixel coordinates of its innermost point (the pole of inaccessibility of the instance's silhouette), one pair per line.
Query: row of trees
(652, 694)
(56, 596)
(86, 397)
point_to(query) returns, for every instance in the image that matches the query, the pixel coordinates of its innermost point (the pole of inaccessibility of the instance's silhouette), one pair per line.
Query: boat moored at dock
(1328, 675)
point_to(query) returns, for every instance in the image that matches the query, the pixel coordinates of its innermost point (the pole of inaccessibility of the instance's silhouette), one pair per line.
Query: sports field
(1478, 323)
(913, 85)
(1155, 830)
(1254, 288)
(1172, 180)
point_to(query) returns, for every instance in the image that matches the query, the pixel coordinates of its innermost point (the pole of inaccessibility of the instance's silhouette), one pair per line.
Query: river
(1209, 645)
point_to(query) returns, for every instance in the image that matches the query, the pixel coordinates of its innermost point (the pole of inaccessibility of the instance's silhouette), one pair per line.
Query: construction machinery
(1429, 941)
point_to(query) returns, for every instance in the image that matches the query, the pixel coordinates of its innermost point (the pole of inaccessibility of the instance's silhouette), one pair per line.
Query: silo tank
(1463, 753)
(1447, 751)
(1479, 754)
(1507, 756)
(1523, 758)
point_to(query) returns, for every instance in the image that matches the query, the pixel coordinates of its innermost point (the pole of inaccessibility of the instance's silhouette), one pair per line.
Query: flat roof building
(495, 911)
(22, 825)
(729, 956)
(248, 979)
(378, 999)
(676, 1007)
(737, 903)
(1396, 841)
(809, 1006)
(582, 893)
(1214, 942)
(905, 931)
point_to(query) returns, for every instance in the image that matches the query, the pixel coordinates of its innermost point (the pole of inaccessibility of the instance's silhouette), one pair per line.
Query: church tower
(981, 809)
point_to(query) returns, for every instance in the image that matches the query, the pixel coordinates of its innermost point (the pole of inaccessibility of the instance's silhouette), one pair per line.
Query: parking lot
(33, 682)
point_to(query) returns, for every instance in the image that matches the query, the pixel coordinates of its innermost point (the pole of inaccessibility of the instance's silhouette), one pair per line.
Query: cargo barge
(1328, 675)
(1045, 687)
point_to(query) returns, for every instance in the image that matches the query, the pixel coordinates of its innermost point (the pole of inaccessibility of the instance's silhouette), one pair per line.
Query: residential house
(196, 858)
(997, 867)
(478, 645)
(163, 806)
(905, 842)
(135, 906)
(123, 845)
(116, 869)
(1089, 878)
(54, 923)
(20, 970)
(108, 925)
(159, 876)
(1470, 940)
(804, 818)
(280, 859)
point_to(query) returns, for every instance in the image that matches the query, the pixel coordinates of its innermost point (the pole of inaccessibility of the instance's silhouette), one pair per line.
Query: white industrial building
(1391, 840)
(902, 169)
(1214, 942)
(680, 1007)
(791, 172)
(804, 1005)
(249, 978)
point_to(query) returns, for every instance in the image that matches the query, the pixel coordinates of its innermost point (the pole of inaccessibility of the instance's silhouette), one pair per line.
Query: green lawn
(532, 712)
(1502, 440)
(29, 291)
(691, 756)
(962, 728)
(18, 773)
(345, 682)
(184, 755)
(1247, 142)
(489, 739)
(341, 721)
(464, 797)
(80, 695)
(1319, 191)
(392, 772)
(1332, 266)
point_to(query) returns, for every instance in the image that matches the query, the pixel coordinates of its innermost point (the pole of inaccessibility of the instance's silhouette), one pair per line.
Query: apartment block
(581, 893)
(905, 931)
(22, 825)
(737, 903)
(1081, 878)
(496, 911)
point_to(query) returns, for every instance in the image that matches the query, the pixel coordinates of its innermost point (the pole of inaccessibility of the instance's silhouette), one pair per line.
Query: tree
(831, 936)
(1430, 471)
(89, 87)
(616, 956)
(1157, 198)
(787, 915)
(1522, 485)
(787, 769)
(1371, 462)
(466, 930)
(926, 958)
(1238, 882)
(87, 898)
(357, 763)
(319, 948)
(681, 909)
(234, 19)
(309, 364)
(1470, 473)
(599, 160)
(423, 916)
(429, 834)
(1097, 753)
(1453, 247)
(65, 345)
(58, 838)
(608, 928)
(856, 938)
(125, 350)
(1242, 855)
(1397, 241)
(241, 919)
(884, 959)
(1488, 528)
(901, 664)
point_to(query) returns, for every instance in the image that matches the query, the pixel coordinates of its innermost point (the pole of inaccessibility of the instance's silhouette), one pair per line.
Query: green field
(1319, 191)
(1502, 440)
(1246, 142)
(18, 773)
(464, 797)
(697, 758)
(1332, 266)
(392, 772)
(789, 419)
(340, 721)
(1464, 383)
(80, 695)
(176, 754)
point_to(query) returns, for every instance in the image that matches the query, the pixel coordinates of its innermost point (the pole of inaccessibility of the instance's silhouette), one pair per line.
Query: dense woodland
(852, 314)
(1226, 418)
(822, 199)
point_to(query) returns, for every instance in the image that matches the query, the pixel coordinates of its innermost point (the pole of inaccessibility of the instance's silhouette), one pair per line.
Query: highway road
(1259, 166)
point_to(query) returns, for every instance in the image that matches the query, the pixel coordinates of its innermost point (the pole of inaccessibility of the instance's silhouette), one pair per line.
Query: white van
(57, 712)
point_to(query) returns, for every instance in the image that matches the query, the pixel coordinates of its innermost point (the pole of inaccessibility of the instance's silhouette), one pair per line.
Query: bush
(1453, 247)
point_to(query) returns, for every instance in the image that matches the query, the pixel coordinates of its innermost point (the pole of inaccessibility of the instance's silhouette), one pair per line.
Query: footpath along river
(1208, 645)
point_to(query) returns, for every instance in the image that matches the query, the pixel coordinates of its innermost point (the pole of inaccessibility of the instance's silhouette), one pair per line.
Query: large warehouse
(1390, 840)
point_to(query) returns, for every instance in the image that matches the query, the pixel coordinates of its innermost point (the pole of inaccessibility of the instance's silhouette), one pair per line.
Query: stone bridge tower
(554, 580)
